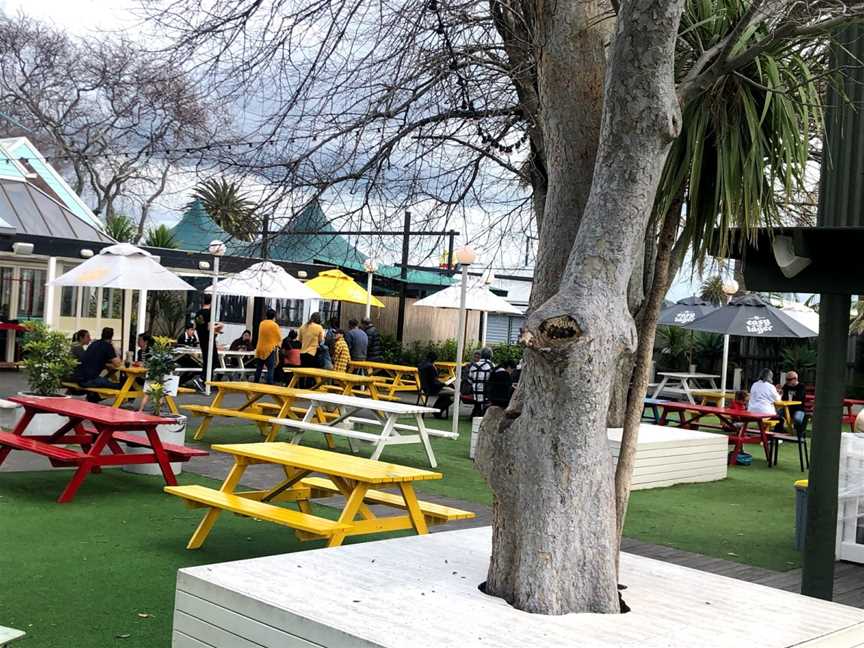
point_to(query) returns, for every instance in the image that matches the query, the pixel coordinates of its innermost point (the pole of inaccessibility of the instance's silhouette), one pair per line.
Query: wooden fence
(421, 324)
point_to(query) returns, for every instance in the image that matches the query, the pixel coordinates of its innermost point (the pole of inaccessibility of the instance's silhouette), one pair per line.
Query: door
(850, 499)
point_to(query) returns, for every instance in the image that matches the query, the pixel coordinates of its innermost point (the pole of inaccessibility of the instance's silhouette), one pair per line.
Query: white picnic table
(8, 635)
(679, 383)
(387, 414)
(242, 358)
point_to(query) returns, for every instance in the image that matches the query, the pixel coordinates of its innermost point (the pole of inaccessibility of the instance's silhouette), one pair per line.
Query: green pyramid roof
(197, 229)
(328, 247)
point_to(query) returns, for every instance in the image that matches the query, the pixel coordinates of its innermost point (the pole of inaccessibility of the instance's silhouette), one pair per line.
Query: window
(232, 309)
(68, 296)
(31, 294)
(329, 310)
(289, 312)
(5, 292)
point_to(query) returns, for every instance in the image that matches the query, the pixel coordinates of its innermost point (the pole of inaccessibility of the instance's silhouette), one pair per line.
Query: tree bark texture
(647, 326)
(570, 52)
(547, 457)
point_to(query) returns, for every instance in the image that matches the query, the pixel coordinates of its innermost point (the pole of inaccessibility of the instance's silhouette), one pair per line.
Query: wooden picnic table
(682, 383)
(334, 381)
(391, 379)
(352, 477)
(447, 371)
(129, 390)
(652, 404)
(714, 396)
(387, 415)
(94, 428)
(734, 423)
(254, 409)
(242, 359)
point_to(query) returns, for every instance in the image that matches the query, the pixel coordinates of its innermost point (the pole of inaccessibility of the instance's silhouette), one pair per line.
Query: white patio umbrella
(265, 279)
(465, 297)
(125, 267)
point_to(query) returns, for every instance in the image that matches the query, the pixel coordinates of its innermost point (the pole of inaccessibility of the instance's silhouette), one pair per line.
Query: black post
(817, 576)
(452, 237)
(403, 275)
(258, 305)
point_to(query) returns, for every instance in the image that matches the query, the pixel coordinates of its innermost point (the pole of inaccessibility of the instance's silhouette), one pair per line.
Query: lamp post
(465, 257)
(217, 249)
(730, 287)
(371, 267)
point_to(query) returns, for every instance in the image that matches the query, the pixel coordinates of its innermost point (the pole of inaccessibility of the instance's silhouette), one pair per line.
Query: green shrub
(414, 353)
(48, 360)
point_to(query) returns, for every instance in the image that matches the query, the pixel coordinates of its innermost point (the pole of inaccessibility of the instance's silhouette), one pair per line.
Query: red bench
(176, 452)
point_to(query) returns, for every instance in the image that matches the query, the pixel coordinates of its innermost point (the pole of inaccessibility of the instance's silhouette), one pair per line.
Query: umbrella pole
(368, 295)
(214, 305)
(142, 311)
(484, 323)
(460, 350)
(79, 296)
(724, 371)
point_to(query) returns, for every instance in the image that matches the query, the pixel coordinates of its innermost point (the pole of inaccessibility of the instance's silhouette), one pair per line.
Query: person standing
(374, 351)
(207, 342)
(357, 341)
(269, 339)
(311, 337)
(341, 354)
(763, 394)
(793, 390)
(479, 373)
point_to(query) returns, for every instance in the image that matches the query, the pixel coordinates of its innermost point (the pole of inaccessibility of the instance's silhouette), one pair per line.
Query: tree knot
(561, 327)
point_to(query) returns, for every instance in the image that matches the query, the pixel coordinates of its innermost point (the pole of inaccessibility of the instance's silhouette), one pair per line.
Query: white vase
(168, 433)
(170, 385)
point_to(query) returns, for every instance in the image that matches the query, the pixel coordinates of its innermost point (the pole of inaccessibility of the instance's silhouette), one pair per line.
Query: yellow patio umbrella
(335, 285)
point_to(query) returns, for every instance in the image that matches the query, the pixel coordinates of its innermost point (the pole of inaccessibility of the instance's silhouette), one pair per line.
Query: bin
(800, 513)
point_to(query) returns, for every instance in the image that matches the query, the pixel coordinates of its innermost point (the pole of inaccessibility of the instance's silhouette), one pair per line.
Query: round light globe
(465, 255)
(370, 265)
(730, 287)
(216, 248)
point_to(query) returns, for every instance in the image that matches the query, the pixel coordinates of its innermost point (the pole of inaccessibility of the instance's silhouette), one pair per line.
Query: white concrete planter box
(666, 456)
(421, 592)
(174, 433)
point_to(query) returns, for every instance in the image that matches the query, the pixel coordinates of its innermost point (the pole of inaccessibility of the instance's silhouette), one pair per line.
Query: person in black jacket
(499, 387)
(793, 390)
(432, 385)
(374, 352)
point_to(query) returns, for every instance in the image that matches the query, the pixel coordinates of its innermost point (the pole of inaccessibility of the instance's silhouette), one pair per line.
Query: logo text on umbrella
(758, 325)
(685, 317)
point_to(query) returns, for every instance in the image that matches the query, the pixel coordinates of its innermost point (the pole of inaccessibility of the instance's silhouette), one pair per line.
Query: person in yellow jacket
(269, 339)
(341, 355)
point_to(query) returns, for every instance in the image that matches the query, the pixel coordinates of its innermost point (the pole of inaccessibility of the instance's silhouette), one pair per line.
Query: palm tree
(712, 290)
(160, 237)
(228, 207)
(120, 228)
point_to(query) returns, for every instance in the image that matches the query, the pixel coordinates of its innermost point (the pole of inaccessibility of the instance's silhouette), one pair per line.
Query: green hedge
(414, 353)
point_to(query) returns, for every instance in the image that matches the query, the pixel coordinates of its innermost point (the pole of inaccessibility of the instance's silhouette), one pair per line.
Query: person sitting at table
(244, 342)
(341, 354)
(80, 341)
(289, 354)
(431, 385)
(793, 390)
(188, 337)
(499, 389)
(99, 354)
(763, 394)
(269, 336)
(144, 343)
(739, 403)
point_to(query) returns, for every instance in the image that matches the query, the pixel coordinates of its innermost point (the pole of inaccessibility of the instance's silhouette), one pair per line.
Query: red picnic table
(95, 428)
(735, 423)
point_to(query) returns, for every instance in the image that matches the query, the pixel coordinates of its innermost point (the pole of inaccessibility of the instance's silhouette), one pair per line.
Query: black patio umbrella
(685, 311)
(748, 316)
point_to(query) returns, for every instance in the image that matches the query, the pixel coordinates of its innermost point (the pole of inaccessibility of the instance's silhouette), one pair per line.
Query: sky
(83, 17)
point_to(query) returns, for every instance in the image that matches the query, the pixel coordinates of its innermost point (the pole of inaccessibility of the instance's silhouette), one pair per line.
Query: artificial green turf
(79, 574)
(82, 574)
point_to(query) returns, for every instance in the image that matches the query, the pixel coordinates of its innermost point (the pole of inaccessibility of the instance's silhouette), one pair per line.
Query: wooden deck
(848, 577)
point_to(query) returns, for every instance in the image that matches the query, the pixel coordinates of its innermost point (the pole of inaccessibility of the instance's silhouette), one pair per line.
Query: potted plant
(47, 359)
(159, 383)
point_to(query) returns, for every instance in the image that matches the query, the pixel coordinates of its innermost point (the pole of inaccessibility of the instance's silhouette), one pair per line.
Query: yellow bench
(236, 503)
(434, 513)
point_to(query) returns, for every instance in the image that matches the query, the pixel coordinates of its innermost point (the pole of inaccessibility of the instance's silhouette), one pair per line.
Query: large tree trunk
(644, 353)
(547, 458)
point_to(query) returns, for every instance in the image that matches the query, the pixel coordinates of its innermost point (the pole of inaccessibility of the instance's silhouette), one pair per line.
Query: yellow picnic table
(352, 477)
(129, 389)
(335, 381)
(447, 371)
(253, 409)
(714, 396)
(390, 378)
